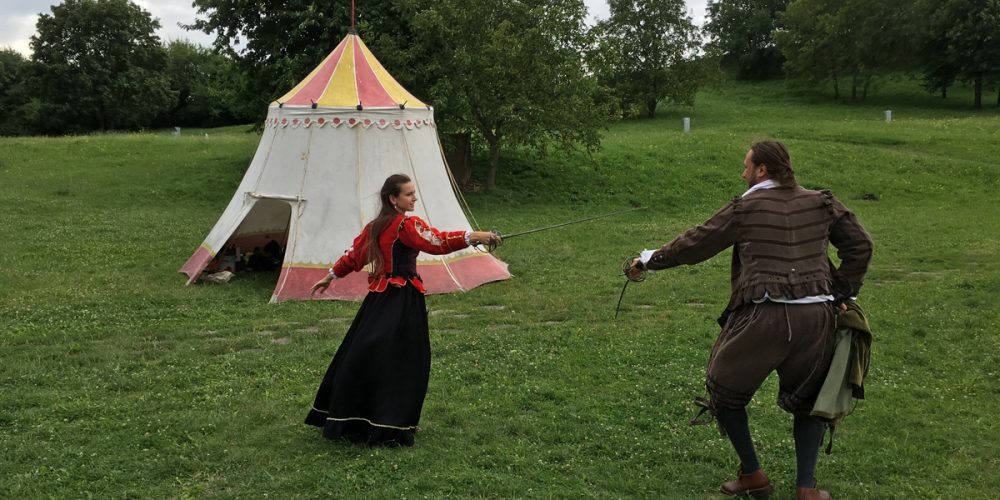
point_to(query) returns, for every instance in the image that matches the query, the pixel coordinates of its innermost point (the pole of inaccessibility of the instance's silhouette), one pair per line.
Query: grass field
(118, 381)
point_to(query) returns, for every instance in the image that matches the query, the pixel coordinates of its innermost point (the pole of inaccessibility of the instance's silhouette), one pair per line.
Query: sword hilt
(627, 266)
(490, 247)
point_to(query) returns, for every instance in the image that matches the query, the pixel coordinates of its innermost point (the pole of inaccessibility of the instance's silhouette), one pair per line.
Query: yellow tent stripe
(342, 91)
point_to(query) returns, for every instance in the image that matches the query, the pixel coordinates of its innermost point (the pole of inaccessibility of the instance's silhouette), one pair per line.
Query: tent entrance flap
(261, 238)
(253, 240)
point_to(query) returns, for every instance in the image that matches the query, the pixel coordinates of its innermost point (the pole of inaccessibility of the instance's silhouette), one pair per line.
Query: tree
(100, 66)
(810, 44)
(14, 85)
(645, 51)
(962, 42)
(511, 71)
(208, 87)
(827, 40)
(741, 30)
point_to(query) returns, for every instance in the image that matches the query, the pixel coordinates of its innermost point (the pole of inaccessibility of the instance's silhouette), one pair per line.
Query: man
(781, 312)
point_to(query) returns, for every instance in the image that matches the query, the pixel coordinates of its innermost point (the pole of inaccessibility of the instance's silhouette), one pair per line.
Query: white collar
(768, 184)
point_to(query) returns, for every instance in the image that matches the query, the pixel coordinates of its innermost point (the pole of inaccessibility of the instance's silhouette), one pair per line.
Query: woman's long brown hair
(392, 186)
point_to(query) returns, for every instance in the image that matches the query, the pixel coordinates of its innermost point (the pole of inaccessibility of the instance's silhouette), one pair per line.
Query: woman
(375, 386)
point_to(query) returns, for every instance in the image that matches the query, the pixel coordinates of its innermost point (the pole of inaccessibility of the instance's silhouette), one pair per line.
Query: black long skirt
(374, 389)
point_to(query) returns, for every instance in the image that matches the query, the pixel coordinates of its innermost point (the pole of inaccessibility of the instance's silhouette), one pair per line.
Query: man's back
(781, 243)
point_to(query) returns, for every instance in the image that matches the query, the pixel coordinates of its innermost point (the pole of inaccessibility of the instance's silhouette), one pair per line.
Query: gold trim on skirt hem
(373, 424)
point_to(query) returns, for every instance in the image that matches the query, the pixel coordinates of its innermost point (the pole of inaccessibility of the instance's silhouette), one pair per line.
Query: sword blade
(620, 297)
(546, 228)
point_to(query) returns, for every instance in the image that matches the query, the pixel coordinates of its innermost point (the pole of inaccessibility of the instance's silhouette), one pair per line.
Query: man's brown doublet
(781, 236)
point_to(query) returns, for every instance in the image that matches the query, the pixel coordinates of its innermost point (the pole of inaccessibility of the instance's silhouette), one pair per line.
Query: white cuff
(468, 235)
(330, 274)
(645, 255)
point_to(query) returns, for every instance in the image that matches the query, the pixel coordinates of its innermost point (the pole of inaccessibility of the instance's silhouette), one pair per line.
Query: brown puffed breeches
(796, 340)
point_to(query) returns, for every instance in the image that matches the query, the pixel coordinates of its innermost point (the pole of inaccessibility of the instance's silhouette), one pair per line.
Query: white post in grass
(687, 125)
(888, 116)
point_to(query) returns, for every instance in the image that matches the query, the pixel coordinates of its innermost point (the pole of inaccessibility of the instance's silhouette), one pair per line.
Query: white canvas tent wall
(313, 183)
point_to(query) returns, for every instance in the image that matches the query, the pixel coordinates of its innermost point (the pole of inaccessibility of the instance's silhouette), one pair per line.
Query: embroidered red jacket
(402, 240)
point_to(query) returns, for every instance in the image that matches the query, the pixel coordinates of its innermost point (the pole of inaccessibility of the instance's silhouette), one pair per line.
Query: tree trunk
(979, 92)
(836, 88)
(998, 98)
(491, 174)
(864, 91)
(944, 91)
(651, 108)
(854, 87)
(458, 154)
(491, 132)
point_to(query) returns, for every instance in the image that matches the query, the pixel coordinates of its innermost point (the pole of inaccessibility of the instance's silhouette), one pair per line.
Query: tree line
(846, 44)
(98, 65)
(500, 73)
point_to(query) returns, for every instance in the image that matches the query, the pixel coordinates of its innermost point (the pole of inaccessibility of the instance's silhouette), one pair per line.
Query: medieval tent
(327, 146)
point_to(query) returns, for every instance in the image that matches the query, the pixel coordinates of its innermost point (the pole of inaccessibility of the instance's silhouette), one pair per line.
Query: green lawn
(118, 381)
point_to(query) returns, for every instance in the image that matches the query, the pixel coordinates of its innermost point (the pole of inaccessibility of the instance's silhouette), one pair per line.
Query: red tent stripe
(370, 89)
(295, 283)
(317, 86)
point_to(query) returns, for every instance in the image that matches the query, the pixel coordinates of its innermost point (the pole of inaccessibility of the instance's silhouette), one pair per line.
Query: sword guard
(627, 266)
(490, 247)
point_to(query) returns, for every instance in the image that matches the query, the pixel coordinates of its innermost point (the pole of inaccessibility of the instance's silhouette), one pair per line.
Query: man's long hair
(774, 156)
(387, 213)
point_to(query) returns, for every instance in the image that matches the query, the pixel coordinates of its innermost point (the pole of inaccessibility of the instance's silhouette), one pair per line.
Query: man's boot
(755, 484)
(811, 494)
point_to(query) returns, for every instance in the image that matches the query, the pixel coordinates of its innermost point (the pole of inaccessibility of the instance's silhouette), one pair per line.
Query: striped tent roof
(349, 76)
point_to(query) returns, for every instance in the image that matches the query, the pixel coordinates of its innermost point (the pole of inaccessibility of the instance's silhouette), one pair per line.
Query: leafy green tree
(962, 42)
(100, 66)
(644, 52)
(511, 71)
(811, 44)
(14, 85)
(830, 40)
(940, 71)
(742, 31)
(208, 86)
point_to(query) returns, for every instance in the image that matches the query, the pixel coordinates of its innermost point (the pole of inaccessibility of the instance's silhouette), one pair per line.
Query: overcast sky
(18, 18)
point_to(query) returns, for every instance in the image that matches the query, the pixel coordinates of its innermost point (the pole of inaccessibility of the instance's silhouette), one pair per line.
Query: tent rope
(454, 187)
(413, 172)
